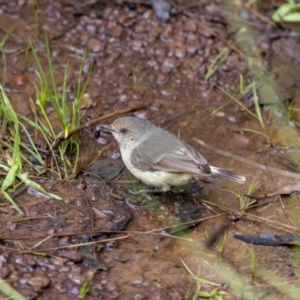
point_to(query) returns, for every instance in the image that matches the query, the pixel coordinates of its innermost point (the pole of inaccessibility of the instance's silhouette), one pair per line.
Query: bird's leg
(133, 206)
(144, 191)
(176, 190)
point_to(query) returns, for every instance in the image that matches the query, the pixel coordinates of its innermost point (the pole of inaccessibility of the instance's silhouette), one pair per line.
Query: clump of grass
(244, 201)
(84, 290)
(293, 108)
(256, 115)
(287, 12)
(221, 246)
(48, 95)
(12, 160)
(2, 44)
(136, 79)
(215, 293)
(15, 152)
(9, 291)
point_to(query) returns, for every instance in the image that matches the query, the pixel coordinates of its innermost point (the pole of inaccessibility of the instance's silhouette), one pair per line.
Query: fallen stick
(248, 161)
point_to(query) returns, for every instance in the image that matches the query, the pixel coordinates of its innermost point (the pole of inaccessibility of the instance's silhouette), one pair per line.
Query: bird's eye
(124, 130)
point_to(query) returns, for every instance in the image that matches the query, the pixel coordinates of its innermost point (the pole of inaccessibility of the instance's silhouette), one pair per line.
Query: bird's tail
(223, 173)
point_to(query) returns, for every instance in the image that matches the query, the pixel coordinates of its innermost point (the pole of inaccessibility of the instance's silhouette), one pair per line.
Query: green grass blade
(36, 186)
(217, 61)
(239, 103)
(257, 108)
(9, 291)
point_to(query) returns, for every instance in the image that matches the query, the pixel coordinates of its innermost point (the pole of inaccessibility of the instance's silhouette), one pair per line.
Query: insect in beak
(99, 128)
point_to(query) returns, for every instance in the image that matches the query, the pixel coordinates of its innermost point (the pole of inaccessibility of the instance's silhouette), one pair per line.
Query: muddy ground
(141, 247)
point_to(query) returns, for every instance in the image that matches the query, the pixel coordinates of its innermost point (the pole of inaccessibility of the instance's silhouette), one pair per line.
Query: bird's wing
(181, 158)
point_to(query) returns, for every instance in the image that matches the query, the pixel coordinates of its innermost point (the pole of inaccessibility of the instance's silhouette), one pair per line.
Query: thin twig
(271, 223)
(259, 15)
(159, 230)
(286, 213)
(248, 161)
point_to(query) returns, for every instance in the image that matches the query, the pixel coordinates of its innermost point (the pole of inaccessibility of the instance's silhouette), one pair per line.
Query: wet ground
(102, 242)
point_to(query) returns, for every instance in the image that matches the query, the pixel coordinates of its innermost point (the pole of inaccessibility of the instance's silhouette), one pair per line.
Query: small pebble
(231, 119)
(94, 45)
(142, 114)
(38, 282)
(220, 114)
(18, 79)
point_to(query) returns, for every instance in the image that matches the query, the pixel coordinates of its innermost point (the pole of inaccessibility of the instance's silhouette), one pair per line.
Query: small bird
(158, 158)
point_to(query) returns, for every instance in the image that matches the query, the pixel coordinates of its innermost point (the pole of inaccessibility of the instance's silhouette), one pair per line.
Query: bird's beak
(107, 127)
(99, 128)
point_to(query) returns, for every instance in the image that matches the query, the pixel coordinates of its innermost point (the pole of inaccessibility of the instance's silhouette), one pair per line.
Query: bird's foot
(145, 191)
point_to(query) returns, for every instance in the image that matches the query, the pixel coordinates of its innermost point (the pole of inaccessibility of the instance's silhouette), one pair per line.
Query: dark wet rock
(94, 263)
(105, 169)
(162, 9)
(121, 221)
